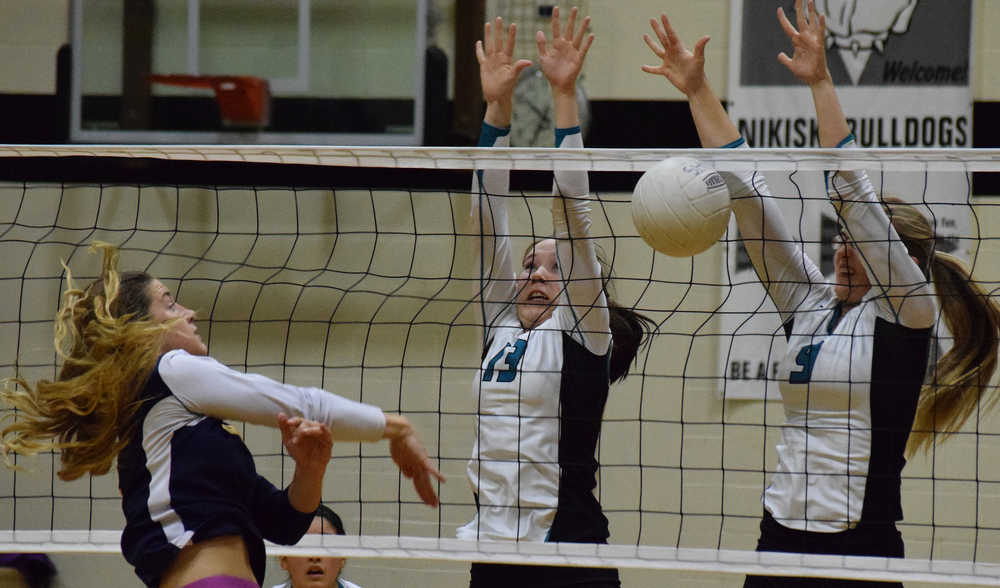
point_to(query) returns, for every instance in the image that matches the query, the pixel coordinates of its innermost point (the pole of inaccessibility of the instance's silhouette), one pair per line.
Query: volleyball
(680, 206)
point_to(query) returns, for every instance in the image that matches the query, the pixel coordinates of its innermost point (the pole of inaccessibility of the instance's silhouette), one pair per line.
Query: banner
(902, 70)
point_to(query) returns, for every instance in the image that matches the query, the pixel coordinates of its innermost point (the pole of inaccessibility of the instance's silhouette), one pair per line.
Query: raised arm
(781, 264)
(497, 73)
(685, 70)
(808, 64)
(866, 224)
(561, 59)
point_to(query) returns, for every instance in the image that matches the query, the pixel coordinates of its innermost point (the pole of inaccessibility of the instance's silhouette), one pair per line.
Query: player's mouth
(536, 297)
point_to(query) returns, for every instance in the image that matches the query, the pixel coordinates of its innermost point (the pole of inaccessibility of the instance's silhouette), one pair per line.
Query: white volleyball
(680, 206)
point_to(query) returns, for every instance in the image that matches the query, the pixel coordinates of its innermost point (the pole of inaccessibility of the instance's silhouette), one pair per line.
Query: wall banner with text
(903, 74)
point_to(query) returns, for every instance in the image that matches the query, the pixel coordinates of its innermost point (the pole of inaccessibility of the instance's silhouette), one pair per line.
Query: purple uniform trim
(222, 582)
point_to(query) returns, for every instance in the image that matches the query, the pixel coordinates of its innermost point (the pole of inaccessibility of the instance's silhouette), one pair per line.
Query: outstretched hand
(683, 68)
(808, 60)
(561, 59)
(411, 457)
(497, 69)
(309, 443)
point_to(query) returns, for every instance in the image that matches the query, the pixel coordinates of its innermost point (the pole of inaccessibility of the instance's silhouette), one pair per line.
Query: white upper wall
(31, 32)
(365, 62)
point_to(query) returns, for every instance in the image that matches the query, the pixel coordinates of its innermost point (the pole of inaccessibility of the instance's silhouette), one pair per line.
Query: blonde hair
(961, 377)
(108, 348)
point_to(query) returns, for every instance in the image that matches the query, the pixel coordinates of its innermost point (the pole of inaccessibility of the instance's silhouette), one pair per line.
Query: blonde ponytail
(960, 379)
(108, 351)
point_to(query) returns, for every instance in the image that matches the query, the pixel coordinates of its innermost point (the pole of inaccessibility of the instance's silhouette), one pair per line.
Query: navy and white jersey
(851, 378)
(541, 392)
(185, 477)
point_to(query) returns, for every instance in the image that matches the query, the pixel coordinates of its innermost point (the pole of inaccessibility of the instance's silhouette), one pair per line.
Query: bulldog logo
(856, 27)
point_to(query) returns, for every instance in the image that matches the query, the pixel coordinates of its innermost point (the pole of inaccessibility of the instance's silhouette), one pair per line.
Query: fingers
(520, 66)
(555, 23)
(498, 36)
(425, 490)
(586, 47)
(800, 15)
(699, 47)
(655, 47)
(571, 24)
(423, 483)
(540, 41)
(578, 38)
(784, 59)
(430, 469)
(309, 431)
(660, 33)
(488, 38)
(287, 425)
(785, 25)
(480, 53)
(669, 30)
(511, 36)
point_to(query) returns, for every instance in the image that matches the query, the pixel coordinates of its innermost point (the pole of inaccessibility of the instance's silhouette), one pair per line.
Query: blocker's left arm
(561, 60)
(868, 227)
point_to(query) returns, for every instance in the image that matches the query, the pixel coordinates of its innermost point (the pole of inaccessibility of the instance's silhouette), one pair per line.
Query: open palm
(808, 60)
(497, 69)
(683, 68)
(561, 59)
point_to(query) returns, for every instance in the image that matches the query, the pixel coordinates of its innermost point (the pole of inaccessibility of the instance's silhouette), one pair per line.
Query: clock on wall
(533, 117)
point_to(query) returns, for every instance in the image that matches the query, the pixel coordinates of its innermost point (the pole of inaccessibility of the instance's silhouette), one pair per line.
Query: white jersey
(849, 383)
(541, 392)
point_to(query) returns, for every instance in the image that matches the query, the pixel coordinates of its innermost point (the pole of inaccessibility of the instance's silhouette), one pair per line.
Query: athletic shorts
(882, 540)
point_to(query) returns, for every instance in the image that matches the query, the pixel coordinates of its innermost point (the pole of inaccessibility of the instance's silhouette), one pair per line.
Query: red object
(244, 101)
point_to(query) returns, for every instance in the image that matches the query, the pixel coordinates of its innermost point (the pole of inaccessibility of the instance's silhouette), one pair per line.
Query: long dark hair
(630, 330)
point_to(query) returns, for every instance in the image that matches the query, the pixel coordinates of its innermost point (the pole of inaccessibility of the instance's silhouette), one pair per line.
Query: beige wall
(364, 51)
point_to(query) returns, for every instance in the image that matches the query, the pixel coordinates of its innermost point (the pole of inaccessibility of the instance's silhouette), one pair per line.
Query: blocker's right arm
(781, 265)
(498, 73)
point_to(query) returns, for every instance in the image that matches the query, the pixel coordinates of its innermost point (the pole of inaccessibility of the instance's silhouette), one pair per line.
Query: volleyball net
(354, 270)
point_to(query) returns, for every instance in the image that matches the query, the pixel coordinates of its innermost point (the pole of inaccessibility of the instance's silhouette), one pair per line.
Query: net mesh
(369, 292)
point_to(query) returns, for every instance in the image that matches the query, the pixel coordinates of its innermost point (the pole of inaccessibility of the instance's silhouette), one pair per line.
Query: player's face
(162, 308)
(314, 572)
(538, 284)
(851, 281)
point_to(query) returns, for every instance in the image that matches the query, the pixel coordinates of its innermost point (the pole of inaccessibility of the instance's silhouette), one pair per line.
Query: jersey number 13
(506, 370)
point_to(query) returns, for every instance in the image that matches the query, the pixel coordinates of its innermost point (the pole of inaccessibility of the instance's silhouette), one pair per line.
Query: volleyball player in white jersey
(547, 339)
(857, 349)
(137, 384)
